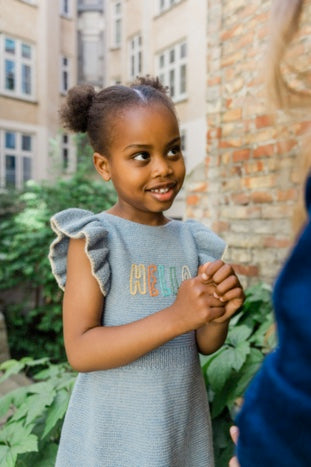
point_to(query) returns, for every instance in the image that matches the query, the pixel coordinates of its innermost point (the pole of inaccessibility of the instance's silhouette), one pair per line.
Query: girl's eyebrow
(148, 146)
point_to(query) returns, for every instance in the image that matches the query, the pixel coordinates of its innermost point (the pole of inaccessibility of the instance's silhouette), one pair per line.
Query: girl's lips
(164, 193)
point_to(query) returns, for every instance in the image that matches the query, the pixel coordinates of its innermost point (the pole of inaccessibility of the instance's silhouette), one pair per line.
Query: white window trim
(18, 60)
(162, 6)
(116, 16)
(64, 68)
(164, 72)
(135, 56)
(62, 12)
(18, 153)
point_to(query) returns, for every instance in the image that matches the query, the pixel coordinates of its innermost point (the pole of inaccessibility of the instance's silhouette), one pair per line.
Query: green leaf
(56, 411)
(239, 355)
(238, 334)
(220, 369)
(7, 457)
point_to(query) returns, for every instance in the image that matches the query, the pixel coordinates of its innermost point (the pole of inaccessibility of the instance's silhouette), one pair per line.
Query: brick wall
(247, 189)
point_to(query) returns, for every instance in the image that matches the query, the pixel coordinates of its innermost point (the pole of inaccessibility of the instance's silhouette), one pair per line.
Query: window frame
(63, 11)
(20, 64)
(19, 154)
(135, 56)
(116, 21)
(171, 63)
(64, 70)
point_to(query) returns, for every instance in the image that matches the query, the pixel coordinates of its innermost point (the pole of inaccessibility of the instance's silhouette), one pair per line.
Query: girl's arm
(221, 281)
(90, 346)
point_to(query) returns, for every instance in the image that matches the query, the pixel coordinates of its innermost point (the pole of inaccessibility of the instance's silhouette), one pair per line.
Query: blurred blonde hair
(285, 24)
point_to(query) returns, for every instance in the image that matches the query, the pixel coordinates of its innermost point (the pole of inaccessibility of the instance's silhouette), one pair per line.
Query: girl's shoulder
(75, 223)
(209, 245)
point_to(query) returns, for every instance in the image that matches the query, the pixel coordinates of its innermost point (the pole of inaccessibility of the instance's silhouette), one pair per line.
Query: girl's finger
(237, 292)
(209, 269)
(222, 273)
(227, 284)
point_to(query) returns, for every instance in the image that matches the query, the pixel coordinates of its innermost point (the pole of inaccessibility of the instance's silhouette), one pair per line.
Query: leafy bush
(35, 413)
(228, 371)
(33, 313)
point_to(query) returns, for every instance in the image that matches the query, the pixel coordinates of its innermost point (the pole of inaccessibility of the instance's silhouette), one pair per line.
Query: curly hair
(91, 112)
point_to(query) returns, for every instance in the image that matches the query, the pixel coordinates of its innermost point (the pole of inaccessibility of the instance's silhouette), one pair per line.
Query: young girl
(135, 310)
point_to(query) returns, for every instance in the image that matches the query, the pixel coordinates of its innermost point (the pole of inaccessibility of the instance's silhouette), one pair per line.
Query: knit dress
(154, 411)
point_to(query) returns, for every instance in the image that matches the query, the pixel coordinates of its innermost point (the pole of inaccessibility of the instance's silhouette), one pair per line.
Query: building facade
(38, 65)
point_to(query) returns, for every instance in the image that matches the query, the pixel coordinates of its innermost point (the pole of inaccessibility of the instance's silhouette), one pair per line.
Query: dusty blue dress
(152, 412)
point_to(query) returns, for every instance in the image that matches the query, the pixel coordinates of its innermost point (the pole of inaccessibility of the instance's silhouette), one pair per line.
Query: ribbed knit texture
(153, 412)
(275, 421)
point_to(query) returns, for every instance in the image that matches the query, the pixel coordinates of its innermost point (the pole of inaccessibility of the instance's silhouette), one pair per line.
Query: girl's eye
(173, 152)
(141, 156)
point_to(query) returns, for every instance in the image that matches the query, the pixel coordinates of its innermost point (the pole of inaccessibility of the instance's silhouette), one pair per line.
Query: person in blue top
(143, 293)
(274, 424)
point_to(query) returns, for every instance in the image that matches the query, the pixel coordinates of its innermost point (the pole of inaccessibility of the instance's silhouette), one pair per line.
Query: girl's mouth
(164, 193)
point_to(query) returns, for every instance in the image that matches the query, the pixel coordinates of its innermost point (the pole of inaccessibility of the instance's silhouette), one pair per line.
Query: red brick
(214, 81)
(264, 120)
(286, 146)
(264, 151)
(193, 200)
(246, 270)
(272, 242)
(261, 197)
(302, 128)
(232, 115)
(287, 195)
(230, 143)
(220, 226)
(231, 32)
(240, 198)
(241, 155)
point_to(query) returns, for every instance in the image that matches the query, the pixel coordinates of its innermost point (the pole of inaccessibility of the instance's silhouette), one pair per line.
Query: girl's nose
(161, 166)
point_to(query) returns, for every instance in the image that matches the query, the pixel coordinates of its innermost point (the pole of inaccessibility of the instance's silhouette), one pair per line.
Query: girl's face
(145, 163)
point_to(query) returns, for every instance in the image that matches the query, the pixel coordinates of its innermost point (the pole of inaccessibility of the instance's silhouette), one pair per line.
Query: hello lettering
(156, 280)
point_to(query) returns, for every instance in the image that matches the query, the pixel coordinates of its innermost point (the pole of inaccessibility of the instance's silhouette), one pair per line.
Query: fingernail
(216, 296)
(204, 276)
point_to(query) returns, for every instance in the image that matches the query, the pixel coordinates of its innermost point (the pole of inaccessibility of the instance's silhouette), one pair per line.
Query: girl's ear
(102, 166)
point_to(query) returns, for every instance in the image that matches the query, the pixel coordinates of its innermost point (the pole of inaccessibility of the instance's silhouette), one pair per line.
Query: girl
(135, 311)
(274, 423)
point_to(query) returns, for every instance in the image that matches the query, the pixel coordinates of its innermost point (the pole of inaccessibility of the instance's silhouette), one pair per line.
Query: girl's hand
(196, 305)
(221, 280)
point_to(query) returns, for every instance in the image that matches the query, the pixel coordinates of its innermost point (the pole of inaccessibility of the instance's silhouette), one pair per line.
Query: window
(172, 70)
(116, 24)
(64, 74)
(65, 8)
(17, 77)
(65, 150)
(164, 5)
(135, 55)
(16, 156)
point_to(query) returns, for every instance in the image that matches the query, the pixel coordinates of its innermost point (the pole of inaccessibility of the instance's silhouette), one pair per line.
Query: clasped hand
(213, 296)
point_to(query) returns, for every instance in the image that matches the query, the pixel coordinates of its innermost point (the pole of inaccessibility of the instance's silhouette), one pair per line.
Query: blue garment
(154, 411)
(275, 420)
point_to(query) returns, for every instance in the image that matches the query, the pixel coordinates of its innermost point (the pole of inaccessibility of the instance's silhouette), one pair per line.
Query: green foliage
(34, 315)
(228, 371)
(34, 413)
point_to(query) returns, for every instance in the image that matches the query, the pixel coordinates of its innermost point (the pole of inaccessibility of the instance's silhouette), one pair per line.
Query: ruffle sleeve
(210, 247)
(79, 223)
